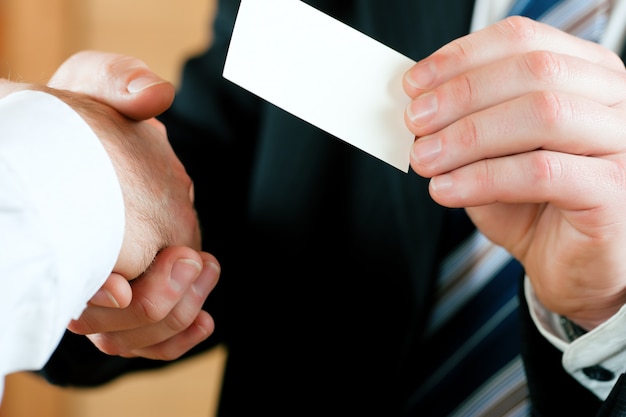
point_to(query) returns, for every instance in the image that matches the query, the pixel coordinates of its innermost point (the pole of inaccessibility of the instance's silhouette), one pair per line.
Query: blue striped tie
(532, 8)
(473, 366)
(472, 363)
(585, 19)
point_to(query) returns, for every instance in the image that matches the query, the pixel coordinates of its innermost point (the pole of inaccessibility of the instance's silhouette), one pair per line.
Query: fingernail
(104, 298)
(441, 183)
(215, 267)
(202, 286)
(183, 272)
(421, 76)
(422, 109)
(139, 84)
(426, 150)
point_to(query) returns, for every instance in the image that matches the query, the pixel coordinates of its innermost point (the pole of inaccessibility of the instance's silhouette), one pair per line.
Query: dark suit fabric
(328, 255)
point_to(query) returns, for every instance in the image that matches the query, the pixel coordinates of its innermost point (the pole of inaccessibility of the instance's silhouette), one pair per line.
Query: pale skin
(525, 126)
(151, 304)
(157, 192)
(527, 132)
(164, 319)
(155, 312)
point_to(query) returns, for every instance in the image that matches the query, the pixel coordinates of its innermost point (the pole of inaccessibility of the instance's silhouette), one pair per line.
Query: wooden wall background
(35, 37)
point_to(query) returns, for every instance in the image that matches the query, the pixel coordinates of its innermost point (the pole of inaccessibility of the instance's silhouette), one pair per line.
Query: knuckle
(151, 312)
(486, 177)
(179, 320)
(470, 136)
(613, 59)
(546, 168)
(519, 29)
(618, 174)
(546, 66)
(551, 109)
(118, 63)
(462, 91)
(461, 49)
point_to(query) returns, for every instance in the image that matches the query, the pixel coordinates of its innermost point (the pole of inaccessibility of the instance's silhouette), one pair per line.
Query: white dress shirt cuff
(62, 220)
(604, 346)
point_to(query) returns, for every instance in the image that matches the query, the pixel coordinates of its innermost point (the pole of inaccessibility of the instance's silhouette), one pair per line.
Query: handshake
(151, 303)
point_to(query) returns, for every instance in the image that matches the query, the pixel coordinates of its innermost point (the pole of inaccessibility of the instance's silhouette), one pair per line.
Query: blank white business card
(324, 72)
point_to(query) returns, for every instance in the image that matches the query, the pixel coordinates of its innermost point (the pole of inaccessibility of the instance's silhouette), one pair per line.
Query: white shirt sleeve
(61, 224)
(604, 346)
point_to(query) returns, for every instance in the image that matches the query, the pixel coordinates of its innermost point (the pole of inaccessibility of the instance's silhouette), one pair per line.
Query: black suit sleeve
(553, 391)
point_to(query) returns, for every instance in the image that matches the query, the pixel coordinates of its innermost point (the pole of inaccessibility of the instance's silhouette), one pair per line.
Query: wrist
(8, 87)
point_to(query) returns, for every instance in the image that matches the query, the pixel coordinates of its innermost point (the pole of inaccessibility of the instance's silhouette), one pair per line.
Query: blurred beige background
(35, 37)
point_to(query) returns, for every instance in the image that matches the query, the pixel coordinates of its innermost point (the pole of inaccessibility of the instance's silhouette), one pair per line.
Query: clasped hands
(520, 123)
(151, 305)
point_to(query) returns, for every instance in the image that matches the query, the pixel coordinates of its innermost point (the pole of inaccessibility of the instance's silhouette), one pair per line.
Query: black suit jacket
(328, 254)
